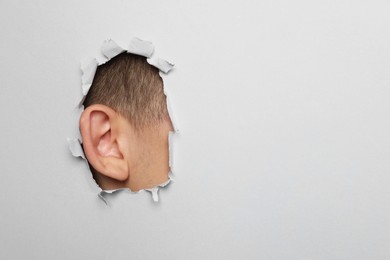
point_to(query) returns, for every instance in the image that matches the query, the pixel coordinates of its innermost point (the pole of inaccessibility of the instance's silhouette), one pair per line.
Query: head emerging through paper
(125, 125)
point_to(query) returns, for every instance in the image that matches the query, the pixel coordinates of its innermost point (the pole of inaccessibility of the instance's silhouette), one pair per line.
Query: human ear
(101, 142)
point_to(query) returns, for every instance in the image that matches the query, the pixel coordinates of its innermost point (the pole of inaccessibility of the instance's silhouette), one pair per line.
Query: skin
(121, 155)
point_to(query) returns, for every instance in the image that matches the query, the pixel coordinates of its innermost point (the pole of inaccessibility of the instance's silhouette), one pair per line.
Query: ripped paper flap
(88, 68)
(162, 65)
(75, 148)
(140, 47)
(110, 49)
(155, 190)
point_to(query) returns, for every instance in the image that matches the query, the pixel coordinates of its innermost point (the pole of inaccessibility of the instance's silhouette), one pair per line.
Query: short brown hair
(131, 86)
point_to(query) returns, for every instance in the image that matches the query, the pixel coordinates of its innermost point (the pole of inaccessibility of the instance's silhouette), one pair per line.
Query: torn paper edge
(88, 68)
(76, 148)
(110, 49)
(171, 114)
(162, 65)
(171, 137)
(140, 47)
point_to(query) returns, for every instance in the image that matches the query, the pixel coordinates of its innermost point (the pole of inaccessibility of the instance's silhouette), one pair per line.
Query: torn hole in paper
(126, 126)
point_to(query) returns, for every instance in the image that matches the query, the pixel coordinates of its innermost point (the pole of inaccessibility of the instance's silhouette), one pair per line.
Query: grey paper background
(283, 108)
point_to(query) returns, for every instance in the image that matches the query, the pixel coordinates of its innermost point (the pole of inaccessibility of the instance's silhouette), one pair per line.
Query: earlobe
(101, 143)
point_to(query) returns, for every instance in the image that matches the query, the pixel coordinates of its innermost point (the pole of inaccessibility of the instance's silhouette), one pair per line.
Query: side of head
(125, 125)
